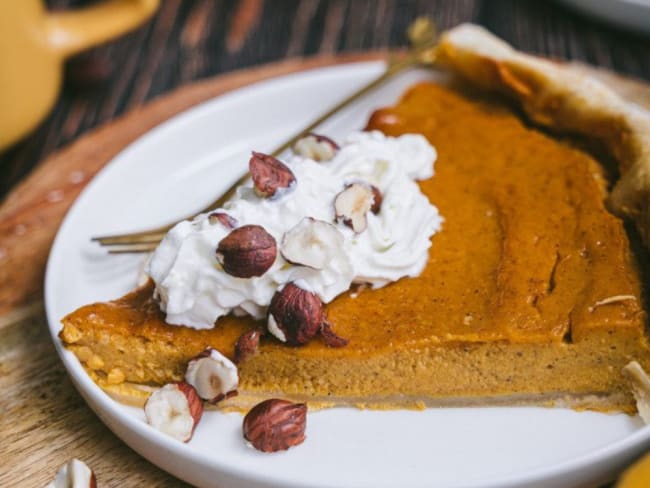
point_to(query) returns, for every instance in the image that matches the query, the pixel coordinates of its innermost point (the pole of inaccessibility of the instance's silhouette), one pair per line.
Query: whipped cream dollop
(193, 288)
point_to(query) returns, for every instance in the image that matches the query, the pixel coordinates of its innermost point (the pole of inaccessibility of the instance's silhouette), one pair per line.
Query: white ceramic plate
(179, 167)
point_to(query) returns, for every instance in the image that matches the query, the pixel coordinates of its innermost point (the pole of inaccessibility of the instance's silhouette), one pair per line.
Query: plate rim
(95, 397)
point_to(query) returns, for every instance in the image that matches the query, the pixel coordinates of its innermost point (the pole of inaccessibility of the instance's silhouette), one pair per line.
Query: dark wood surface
(194, 39)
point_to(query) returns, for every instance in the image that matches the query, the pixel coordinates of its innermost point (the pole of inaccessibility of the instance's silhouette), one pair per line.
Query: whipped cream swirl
(195, 291)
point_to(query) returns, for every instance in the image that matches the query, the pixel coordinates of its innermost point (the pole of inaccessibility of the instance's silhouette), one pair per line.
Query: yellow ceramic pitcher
(33, 45)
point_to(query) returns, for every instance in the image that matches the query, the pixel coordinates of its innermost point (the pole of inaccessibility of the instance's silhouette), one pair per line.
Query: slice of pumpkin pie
(529, 293)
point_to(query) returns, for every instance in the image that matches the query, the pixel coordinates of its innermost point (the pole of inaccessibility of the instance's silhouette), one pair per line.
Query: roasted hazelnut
(213, 375)
(331, 338)
(313, 243)
(351, 206)
(377, 199)
(74, 474)
(295, 315)
(247, 344)
(247, 251)
(175, 409)
(271, 177)
(275, 425)
(316, 147)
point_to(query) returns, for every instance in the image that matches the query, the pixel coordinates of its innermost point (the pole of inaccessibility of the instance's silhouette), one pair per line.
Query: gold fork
(422, 38)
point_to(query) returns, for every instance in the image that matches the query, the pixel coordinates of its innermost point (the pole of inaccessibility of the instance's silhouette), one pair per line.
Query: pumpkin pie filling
(531, 294)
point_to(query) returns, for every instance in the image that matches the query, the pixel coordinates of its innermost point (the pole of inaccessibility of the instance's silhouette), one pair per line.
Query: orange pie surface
(531, 293)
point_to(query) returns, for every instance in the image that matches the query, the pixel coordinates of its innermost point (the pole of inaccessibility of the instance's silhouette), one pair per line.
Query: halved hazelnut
(295, 315)
(247, 344)
(270, 176)
(174, 409)
(74, 474)
(275, 425)
(311, 243)
(247, 251)
(316, 147)
(224, 219)
(213, 376)
(351, 206)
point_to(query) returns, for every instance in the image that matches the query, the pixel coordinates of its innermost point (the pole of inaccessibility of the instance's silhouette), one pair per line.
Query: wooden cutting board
(43, 420)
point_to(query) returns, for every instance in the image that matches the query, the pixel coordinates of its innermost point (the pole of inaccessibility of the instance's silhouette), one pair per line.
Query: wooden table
(44, 421)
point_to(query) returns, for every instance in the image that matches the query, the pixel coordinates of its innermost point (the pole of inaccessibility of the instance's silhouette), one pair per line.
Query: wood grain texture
(44, 421)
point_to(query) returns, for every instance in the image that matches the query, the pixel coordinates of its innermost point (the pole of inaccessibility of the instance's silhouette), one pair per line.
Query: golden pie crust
(531, 294)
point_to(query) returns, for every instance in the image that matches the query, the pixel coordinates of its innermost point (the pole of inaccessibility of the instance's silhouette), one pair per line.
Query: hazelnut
(174, 409)
(74, 474)
(275, 425)
(247, 251)
(295, 315)
(351, 206)
(224, 219)
(247, 344)
(313, 243)
(213, 376)
(331, 338)
(271, 177)
(377, 199)
(316, 147)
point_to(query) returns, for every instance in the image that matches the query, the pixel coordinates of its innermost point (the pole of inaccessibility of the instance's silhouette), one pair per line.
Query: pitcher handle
(74, 31)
